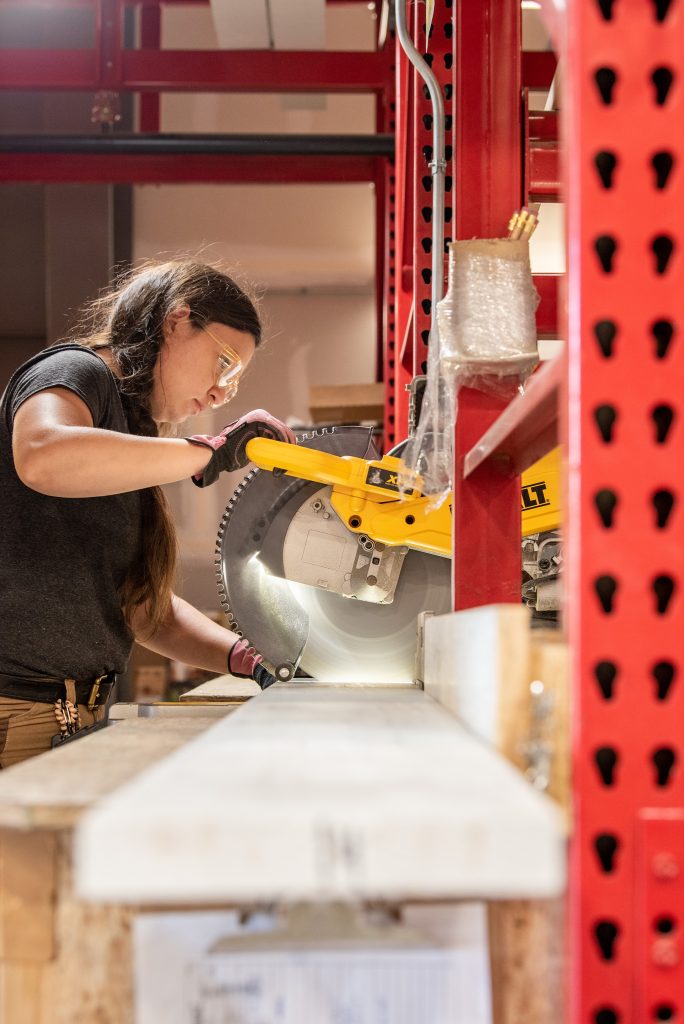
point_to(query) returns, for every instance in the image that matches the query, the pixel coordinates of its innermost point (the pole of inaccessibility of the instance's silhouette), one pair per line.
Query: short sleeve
(75, 368)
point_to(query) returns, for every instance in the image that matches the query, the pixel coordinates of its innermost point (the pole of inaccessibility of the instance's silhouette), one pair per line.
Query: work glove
(245, 663)
(229, 447)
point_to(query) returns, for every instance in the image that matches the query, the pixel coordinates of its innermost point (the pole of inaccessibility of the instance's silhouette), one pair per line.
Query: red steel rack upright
(623, 146)
(620, 388)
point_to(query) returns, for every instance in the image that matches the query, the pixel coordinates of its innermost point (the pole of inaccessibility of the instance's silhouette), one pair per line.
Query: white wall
(310, 249)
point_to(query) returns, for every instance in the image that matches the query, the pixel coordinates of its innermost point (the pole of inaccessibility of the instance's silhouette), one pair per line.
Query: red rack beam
(538, 69)
(543, 125)
(526, 429)
(543, 184)
(196, 70)
(150, 39)
(51, 168)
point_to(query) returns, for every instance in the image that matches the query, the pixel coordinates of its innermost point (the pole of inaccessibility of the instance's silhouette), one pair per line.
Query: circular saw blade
(249, 549)
(327, 635)
(354, 641)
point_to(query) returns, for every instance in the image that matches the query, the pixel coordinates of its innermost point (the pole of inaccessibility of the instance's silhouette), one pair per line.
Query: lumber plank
(21, 999)
(223, 689)
(52, 789)
(27, 895)
(324, 793)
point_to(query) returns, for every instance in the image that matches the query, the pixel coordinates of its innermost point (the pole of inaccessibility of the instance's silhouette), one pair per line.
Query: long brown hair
(129, 319)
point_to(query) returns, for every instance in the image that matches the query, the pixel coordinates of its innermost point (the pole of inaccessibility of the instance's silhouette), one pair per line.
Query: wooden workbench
(63, 961)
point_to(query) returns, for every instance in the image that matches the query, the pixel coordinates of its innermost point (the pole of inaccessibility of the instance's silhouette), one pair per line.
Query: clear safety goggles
(229, 368)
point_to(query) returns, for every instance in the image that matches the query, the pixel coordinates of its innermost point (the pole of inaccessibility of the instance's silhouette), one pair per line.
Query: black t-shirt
(63, 559)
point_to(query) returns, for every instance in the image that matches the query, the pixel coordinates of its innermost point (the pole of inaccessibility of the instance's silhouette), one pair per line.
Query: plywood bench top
(51, 790)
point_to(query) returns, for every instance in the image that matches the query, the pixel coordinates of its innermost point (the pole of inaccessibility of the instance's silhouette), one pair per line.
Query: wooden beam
(325, 792)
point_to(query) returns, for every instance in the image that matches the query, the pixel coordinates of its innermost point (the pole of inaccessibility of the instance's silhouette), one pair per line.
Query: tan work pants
(27, 728)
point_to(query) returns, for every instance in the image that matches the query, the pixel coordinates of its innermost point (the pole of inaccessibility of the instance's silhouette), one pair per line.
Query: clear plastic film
(484, 337)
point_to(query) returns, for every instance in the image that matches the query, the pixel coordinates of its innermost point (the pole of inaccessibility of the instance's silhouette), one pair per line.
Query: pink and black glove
(245, 663)
(229, 447)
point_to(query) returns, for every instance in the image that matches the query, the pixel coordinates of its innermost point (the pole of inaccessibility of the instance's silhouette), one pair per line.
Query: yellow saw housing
(366, 495)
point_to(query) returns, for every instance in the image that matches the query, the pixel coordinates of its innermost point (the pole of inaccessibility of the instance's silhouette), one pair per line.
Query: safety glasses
(229, 369)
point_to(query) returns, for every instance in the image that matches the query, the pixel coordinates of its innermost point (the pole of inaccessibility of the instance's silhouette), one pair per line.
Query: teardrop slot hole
(663, 418)
(663, 590)
(664, 675)
(606, 79)
(662, 79)
(664, 760)
(661, 9)
(606, 589)
(605, 332)
(662, 163)
(606, 846)
(606, 933)
(606, 9)
(606, 1016)
(606, 503)
(662, 247)
(606, 162)
(606, 248)
(605, 417)
(663, 332)
(606, 761)
(606, 674)
(663, 503)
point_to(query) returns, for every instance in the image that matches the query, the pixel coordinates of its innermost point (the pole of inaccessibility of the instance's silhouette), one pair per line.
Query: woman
(87, 546)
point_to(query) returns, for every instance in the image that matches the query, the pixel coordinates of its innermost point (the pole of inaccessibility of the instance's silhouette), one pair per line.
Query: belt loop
(70, 685)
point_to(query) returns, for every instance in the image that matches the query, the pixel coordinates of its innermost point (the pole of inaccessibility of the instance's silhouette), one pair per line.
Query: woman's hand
(229, 447)
(245, 662)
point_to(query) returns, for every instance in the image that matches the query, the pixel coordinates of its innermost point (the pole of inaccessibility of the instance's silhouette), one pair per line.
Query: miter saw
(326, 554)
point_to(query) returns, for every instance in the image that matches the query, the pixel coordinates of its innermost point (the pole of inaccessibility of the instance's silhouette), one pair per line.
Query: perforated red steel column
(402, 306)
(386, 257)
(438, 52)
(623, 145)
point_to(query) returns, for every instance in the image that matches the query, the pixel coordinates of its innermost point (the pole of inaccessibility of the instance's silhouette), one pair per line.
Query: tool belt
(92, 693)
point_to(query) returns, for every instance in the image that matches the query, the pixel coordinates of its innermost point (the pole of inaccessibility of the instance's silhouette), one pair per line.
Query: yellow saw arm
(367, 498)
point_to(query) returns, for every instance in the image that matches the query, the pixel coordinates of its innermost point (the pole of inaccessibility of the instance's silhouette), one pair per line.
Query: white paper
(180, 981)
(360, 987)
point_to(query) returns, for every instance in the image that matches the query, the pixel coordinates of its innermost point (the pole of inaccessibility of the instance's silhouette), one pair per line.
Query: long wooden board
(320, 793)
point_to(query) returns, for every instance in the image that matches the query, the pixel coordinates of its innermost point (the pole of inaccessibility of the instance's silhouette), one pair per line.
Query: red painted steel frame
(440, 56)
(49, 168)
(488, 170)
(385, 250)
(625, 554)
(400, 355)
(150, 39)
(192, 70)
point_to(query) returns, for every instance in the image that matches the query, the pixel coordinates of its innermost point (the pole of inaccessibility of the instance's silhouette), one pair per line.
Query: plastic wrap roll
(486, 319)
(485, 337)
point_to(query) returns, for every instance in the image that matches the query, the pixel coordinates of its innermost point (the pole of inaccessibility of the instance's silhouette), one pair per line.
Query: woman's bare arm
(58, 451)
(188, 636)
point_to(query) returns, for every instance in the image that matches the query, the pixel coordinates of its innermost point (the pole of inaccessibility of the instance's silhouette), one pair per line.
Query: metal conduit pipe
(438, 162)
(214, 145)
